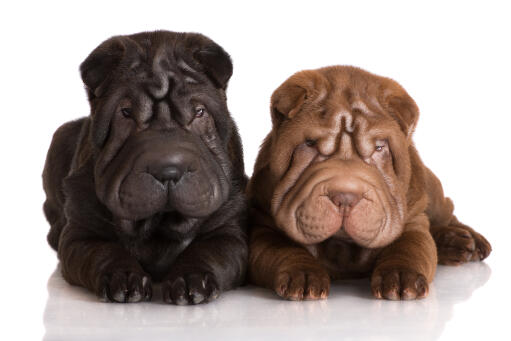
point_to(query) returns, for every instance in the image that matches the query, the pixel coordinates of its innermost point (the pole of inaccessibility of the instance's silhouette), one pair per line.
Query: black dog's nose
(173, 166)
(171, 173)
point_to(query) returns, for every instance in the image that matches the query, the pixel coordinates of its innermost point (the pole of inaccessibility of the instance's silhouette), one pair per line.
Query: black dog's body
(158, 193)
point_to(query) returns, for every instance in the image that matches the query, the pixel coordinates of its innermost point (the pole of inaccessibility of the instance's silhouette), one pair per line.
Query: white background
(452, 57)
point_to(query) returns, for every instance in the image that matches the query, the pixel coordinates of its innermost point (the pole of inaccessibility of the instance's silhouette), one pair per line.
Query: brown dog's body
(339, 190)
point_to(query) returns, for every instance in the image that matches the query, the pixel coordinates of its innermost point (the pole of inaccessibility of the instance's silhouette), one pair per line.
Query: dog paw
(398, 284)
(125, 287)
(193, 288)
(302, 284)
(459, 244)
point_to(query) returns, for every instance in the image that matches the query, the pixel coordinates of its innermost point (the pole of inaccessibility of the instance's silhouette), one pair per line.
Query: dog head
(337, 159)
(162, 136)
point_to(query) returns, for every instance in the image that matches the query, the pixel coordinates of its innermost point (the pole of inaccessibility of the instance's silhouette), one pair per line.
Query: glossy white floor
(250, 313)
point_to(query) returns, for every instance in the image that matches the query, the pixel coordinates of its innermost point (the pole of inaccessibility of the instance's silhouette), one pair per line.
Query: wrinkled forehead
(347, 117)
(169, 71)
(346, 108)
(162, 70)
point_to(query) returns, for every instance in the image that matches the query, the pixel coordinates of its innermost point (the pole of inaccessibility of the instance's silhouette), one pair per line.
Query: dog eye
(199, 112)
(310, 142)
(380, 145)
(126, 112)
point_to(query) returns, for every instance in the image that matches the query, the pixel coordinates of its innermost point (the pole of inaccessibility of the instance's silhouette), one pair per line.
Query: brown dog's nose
(345, 199)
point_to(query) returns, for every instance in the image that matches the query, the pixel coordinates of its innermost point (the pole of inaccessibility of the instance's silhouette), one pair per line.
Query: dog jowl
(346, 194)
(149, 186)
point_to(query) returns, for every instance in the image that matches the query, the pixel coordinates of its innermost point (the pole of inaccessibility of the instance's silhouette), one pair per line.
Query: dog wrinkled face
(339, 150)
(160, 124)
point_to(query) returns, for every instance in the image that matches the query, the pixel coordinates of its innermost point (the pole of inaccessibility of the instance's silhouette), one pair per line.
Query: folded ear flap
(97, 71)
(216, 64)
(101, 63)
(287, 100)
(404, 110)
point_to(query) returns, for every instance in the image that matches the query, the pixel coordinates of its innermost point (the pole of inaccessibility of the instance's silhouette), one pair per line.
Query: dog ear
(97, 71)
(288, 99)
(403, 109)
(215, 62)
(97, 68)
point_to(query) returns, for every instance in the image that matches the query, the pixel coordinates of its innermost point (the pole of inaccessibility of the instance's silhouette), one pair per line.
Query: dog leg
(103, 267)
(404, 269)
(208, 266)
(457, 243)
(277, 263)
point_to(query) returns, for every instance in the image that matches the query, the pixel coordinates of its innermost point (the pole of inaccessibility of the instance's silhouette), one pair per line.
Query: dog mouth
(141, 195)
(135, 193)
(175, 200)
(193, 199)
(328, 202)
(342, 235)
(156, 172)
(318, 218)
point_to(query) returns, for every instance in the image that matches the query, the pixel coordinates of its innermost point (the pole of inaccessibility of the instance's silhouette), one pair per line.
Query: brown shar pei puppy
(339, 191)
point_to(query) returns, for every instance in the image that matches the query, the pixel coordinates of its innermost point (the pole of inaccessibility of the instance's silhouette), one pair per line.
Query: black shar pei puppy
(150, 185)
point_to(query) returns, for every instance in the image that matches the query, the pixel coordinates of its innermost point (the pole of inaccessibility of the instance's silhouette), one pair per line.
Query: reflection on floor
(251, 313)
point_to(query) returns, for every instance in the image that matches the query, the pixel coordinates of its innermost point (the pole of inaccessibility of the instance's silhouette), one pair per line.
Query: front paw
(191, 288)
(459, 244)
(398, 284)
(125, 287)
(302, 283)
